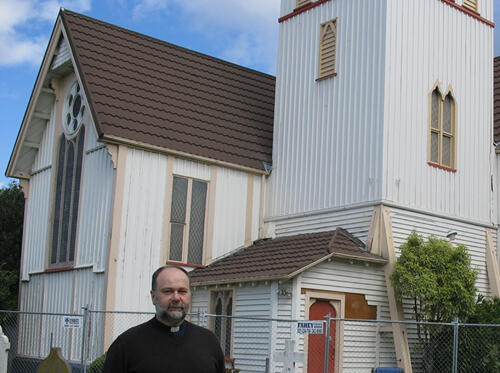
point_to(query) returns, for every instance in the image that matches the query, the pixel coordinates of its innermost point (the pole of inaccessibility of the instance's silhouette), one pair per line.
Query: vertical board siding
(340, 276)
(31, 300)
(474, 237)
(200, 303)
(195, 170)
(453, 49)
(36, 224)
(356, 220)
(58, 298)
(95, 210)
(230, 211)
(327, 149)
(141, 231)
(251, 340)
(44, 156)
(90, 138)
(257, 182)
(88, 292)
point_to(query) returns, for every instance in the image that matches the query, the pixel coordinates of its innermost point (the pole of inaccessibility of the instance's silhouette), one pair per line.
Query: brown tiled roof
(144, 90)
(282, 257)
(496, 99)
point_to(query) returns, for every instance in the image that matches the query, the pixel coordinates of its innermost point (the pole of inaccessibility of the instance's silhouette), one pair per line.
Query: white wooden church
(282, 193)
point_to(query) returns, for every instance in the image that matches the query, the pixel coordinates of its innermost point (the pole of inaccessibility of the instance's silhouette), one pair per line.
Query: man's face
(172, 296)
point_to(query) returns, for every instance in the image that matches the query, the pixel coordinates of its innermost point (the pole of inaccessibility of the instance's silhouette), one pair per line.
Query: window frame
(66, 142)
(187, 221)
(58, 208)
(324, 73)
(301, 3)
(440, 131)
(471, 5)
(214, 296)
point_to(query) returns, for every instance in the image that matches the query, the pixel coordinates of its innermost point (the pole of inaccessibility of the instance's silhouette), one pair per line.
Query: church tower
(383, 126)
(383, 102)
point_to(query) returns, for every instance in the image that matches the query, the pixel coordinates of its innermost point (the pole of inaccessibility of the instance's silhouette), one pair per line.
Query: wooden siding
(45, 152)
(89, 292)
(230, 211)
(95, 210)
(193, 169)
(455, 50)
(35, 225)
(251, 338)
(284, 329)
(141, 231)
(62, 54)
(200, 302)
(256, 210)
(356, 220)
(474, 237)
(30, 301)
(341, 276)
(328, 142)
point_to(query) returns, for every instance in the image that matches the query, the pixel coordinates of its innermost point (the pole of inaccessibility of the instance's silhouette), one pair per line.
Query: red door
(316, 344)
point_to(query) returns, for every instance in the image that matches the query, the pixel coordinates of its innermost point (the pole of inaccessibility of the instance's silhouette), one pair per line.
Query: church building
(287, 197)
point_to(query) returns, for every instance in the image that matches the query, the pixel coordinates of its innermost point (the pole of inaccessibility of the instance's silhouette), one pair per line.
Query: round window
(74, 108)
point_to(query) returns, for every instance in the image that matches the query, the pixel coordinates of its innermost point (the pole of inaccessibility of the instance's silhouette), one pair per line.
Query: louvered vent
(328, 49)
(302, 3)
(470, 4)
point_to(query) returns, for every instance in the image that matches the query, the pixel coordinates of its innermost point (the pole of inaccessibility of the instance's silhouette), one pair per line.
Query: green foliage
(11, 232)
(437, 276)
(97, 365)
(8, 290)
(480, 345)
(486, 311)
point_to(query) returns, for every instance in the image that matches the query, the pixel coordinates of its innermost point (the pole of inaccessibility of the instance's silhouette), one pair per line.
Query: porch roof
(283, 257)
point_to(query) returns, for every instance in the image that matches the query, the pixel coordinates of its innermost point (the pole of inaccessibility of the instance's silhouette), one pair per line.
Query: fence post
(4, 351)
(327, 342)
(455, 345)
(83, 368)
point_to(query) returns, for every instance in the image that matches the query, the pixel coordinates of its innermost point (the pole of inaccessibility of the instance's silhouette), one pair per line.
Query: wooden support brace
(492, 265)
(380, 242)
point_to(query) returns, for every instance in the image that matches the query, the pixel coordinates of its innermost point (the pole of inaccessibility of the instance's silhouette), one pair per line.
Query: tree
(11, 232)
(479, 345)
(438, 279)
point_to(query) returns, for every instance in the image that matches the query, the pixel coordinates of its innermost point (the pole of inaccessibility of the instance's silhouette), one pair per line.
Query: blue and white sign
(310, 327)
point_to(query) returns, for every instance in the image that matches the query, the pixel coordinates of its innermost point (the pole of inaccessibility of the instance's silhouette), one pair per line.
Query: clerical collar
(174, 329)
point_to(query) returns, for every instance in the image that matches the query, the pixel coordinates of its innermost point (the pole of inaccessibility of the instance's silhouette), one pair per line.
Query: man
(167, 343)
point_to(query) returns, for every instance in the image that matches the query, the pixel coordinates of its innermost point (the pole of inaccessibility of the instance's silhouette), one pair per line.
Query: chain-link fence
(254, 344)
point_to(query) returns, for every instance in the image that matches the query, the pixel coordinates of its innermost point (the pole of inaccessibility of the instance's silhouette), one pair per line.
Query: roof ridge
(66, 12)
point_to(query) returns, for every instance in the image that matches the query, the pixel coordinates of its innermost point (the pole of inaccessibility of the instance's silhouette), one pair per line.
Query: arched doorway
(316, 344)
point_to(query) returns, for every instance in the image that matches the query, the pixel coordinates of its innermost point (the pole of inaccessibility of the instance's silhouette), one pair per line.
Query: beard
(173, 315)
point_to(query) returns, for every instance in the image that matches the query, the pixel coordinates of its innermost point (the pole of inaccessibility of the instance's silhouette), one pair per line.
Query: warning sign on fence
(72, 322)
(310, 327)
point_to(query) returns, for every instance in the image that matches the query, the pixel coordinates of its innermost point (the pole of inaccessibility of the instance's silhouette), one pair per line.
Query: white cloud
(144, 6)
(21, 40)
(248, 27)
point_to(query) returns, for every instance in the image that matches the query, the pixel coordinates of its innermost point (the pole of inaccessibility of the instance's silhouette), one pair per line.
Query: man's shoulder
(200, 330)
(136, 330)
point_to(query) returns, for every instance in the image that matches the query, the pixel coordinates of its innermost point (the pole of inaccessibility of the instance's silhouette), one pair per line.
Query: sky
(240, 31)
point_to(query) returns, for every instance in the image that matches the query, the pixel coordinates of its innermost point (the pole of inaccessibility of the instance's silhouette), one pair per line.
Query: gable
(151, 94)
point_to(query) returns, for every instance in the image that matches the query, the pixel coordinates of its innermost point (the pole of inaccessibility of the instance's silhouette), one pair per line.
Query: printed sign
(310, 327)
(72, 322)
